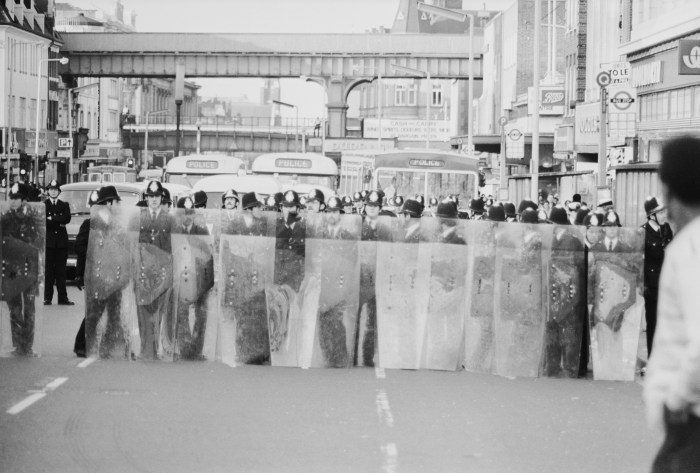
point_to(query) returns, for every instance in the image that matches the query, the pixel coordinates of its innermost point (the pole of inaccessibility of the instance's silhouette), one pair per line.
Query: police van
(187, 170)
(291, 169)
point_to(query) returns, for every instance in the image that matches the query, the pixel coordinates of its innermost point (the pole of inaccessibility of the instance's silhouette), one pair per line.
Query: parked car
(77, 194)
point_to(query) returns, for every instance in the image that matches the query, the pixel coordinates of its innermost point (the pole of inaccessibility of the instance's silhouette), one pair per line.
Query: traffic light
(130, 162)
(482, 179)
(43, 161)
(24, 162)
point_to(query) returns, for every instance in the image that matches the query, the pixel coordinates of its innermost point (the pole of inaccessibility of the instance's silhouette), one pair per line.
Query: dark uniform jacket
(156, 231)
(655, 243)
(379, 232)
(21, 252)
(81, 247)
(238, 225)
(56, 234)
(290, 253)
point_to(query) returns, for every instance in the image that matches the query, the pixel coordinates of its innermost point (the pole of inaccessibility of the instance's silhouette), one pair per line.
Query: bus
(187, 170)
(430, 173)
(110, 174)
(215, 186)
(291, 169)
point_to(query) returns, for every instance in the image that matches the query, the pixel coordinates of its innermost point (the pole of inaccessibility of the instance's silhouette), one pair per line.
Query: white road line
(391, 458)
(86, 362)
(26, 402)
(384, 409)
(55, 383)
(379, 372)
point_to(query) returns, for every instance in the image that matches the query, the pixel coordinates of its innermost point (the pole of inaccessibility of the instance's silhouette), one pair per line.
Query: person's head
(446, 209)
(496, 213)
(315, 201)
(347, 204)
(166, 201)
(509, 207)
(679, 173)
(373, 204)
(107, 195)
(154, 194)
(249, 201)
(611, 223)
(290, 203)
(229, 199)
(526, 205)
(410, 209)
(53, 189)
(558, 215)
(476, 207)
(19, 193)
(334, 208)
(200, 199)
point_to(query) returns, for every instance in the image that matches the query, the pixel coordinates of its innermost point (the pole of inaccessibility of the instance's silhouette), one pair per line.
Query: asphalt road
(119, 416)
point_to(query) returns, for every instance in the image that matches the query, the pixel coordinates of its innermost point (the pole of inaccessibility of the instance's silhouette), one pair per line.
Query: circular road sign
(603, 78)
(514, 134)
(622, 100)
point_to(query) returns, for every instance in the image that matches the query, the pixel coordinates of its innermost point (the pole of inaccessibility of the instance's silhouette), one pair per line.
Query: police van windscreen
(188, 180)
(325, 181)
(439, 184)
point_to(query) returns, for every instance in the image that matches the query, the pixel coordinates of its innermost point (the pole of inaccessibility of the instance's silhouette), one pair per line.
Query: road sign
(65, 142)
(603, 78)
(515, 134)
(515, 144)
(619, 72)
(315, 142)
(622, 99)
(63, 153)
(468, 150)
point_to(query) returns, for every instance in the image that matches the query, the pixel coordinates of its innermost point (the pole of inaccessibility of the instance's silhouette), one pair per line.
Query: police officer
(290, 243)
(315, 201)
(511, 215)
(348, 205)
(430, 210)
(476, 208)
(409, 216)
(658, 235)
(447, 212)
(273, 203)
(167, 201)
(57, 217)
(229, 199)
(199, 199)
(358, 202)
(81, 247)
(101, 295)
(153, 270)
(496, 213)
(252, 223)
(21, 244)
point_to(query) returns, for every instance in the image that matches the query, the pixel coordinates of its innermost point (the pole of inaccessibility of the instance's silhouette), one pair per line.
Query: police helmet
(496, 213)
(185, 203)
(347, 201)
(154, 188)
(373, 199)
(612, 219)
(558, 215)
(315, 195)
(509, 207)
(581, 215)
(199, 199)
(291, 199)
(446, 209)
(411, 207)
(398, 201)
(420, 199)
(477, 205)
(529, 215)
(526, 204)
(652, 206)
(249, 200)
(231, 193)
(166, 197)
(53, 185)
(334, 205)
(92, 199)
(105, 194)
(357, 197)
(433, 202)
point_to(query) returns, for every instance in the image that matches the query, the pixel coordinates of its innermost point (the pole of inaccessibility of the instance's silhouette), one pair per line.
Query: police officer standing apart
(57, 216)
(658, 235)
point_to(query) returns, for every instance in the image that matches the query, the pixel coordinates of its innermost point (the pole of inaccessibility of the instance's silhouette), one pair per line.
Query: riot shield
(402, 296)
(109, 302)
(566, 315)
(247, 265)
(292, 301)
(332, 258)
(195, 307)
(522, 257)
(23, 229)
(152, 276)
(444, 330)
(372, 232)
(616, 302)
(479, 322)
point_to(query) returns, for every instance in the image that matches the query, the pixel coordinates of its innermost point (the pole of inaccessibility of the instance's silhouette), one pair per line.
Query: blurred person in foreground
(672, 386)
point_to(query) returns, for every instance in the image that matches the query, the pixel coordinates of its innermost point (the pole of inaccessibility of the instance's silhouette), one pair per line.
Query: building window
(400, 94)
(436, 96)
(696, 101)
(412, 94)
(113, 121)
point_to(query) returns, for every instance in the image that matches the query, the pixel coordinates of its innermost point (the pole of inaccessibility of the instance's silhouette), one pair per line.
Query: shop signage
(689, 57)
(646, 74)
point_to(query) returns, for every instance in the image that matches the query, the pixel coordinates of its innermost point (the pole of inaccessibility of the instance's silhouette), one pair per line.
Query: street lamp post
(296, 129)
(70, 121)
(145, 137)
(460, 16)
(425, 74)
(62, 60)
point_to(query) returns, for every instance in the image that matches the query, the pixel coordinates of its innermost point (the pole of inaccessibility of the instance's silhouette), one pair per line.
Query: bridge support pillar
(337, 92)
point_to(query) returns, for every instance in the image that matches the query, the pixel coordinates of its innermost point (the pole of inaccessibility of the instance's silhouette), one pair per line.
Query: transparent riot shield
(292, 300)
(402, 295)
(23, 228)
(332, 259)
(110, 321)
(520, 298)
(195, 309)
(444, 328)
(479, 321)
(247, 253)
(373, 231)
(566, 314)
(615, 300)
(152, 276)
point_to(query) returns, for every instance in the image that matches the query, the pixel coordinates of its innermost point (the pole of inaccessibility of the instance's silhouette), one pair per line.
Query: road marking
(55, 383)
(384, 409)
(379, 372)
(86, 362)
(26, 402)
(35, 396)
(391, 457)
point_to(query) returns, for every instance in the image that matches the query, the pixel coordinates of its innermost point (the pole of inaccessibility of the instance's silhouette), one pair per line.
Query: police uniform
(655, 243)
(153, 279)
(20, 228)
(290, 246)
(57, 217)
(412, 231)
(447, 211)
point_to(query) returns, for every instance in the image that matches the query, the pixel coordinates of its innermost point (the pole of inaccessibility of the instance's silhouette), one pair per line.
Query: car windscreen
(78, 199)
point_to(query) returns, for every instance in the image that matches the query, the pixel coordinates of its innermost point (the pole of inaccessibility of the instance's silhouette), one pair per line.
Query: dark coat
(380, 232)
(56, 234)
(81, 247)
(156, 232)
(654, 246)
(290, 253)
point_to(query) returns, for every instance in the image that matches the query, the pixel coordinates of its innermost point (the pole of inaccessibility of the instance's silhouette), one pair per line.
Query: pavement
(121, 416)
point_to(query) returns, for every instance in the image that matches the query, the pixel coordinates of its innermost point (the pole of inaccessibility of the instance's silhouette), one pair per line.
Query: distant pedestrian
(672, 386)
(57, 217)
